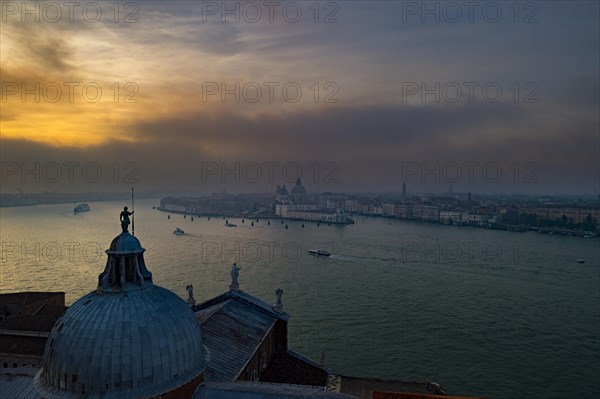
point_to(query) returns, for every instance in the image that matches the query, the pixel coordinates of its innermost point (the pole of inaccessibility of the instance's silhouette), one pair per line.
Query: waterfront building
(297, 206)
(575, 215)
(431, 213)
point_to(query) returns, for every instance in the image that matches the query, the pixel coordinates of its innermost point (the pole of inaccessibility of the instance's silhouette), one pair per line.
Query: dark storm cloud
(370, 146)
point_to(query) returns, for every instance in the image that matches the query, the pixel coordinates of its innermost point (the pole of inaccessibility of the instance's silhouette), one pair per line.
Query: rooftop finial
(235, 272)
(133, 217)
(322, 361)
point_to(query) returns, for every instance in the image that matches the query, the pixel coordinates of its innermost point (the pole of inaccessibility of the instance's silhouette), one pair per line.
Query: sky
(489, 97)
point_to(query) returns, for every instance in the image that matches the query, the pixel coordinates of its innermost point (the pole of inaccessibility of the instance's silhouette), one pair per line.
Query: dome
(128, 339)
(298, 188)
(137, 344)
(125, 243)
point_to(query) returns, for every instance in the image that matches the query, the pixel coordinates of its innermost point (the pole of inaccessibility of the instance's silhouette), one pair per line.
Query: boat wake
(343, 257)
(350, 258)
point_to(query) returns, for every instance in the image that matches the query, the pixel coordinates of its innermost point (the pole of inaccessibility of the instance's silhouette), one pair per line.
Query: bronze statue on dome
(125, 219)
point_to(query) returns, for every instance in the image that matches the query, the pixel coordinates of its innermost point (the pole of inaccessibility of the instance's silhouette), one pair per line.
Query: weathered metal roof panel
(232, 329)
(17, 386)
(249, 390)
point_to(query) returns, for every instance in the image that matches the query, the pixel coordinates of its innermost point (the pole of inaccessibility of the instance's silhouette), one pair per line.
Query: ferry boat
(81, 208)
(179, 232)
(318, 252)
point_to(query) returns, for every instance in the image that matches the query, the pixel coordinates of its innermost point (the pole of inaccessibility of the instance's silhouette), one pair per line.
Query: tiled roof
(294, 369)
(233, 326)
(22, 345)
(364, 387)
(23, 298)
(250, 390)
(27, 323)
(17, 384)
(50, 310)
(242, 297)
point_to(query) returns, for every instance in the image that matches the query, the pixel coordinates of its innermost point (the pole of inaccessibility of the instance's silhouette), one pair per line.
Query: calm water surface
(506, 315)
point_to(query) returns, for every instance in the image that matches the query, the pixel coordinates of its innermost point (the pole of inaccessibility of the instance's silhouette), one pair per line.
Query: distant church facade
(296, 205)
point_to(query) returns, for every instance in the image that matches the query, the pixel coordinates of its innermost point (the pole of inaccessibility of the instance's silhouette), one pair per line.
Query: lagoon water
(481, 312)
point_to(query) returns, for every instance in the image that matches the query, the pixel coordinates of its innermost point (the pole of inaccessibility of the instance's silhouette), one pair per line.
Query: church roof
(298, 189)
(24, 298)
(17, 384)
(128, 339)
(122, 345)
(253, 390)
(233, 326)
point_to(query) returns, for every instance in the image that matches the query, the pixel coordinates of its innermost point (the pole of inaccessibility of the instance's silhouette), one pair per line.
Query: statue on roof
(124, 216)
(278, 305)
(235, 272)
(190, 290)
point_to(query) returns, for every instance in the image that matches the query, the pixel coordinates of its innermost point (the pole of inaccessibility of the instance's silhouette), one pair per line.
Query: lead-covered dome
(125, 243)
(298, 189)
(128, 339)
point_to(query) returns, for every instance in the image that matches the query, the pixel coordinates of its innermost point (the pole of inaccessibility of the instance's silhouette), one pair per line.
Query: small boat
(81, 208)
(580, 260)
(318, 252)
(179, 232)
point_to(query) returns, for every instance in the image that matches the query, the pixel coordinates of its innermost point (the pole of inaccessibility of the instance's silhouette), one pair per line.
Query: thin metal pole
(133, 215)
